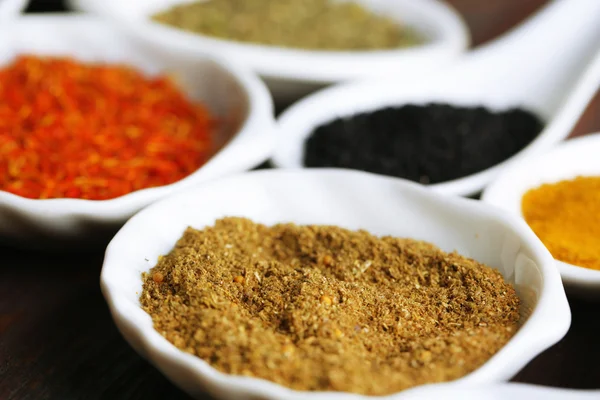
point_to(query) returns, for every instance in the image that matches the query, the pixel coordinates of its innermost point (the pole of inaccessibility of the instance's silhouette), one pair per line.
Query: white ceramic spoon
(574, 157)
(354, 200)
(11, 8)
(236, 96)
(549, 65)
(499, 391)
(292, 73)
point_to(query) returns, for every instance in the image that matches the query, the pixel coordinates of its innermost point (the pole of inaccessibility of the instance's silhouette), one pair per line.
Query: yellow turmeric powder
(566, 217)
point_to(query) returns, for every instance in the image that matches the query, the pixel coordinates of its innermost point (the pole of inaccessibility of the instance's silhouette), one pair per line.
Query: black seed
(424, 143)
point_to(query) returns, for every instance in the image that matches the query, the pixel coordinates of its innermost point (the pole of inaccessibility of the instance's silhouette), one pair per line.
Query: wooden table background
(57, 340)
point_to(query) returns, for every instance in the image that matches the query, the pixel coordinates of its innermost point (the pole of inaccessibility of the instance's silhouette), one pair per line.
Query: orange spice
(566, 217)
(92, 131)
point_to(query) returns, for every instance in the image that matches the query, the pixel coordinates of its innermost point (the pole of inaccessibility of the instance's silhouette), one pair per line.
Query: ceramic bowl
(354, 200)
(469, 83)
(291, 73)
(236, 96)
(11, 8)
(566, 161)
(499, 391)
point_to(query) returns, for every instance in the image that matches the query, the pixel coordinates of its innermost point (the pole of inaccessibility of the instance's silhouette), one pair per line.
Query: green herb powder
(305, 24)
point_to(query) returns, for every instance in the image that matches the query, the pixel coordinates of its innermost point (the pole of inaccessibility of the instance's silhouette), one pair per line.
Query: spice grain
(305, 24)
(381, 315)
(566, 217)
(429, 143)
(93, 131)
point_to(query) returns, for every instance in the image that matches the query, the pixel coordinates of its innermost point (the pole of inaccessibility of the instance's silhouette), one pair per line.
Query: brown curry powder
(566, 217)
(325, 308)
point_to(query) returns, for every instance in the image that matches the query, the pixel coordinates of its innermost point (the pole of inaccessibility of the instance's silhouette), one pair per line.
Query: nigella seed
(429, 143)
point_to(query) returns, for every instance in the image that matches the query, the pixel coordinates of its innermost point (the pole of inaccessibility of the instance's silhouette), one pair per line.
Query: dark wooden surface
(57, 340)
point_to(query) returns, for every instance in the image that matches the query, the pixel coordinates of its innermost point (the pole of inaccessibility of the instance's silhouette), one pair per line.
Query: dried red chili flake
(92, 131)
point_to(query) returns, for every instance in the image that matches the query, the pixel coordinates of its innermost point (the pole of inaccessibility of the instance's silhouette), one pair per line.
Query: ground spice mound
(425, 143)
(325, 308)
(95, 131)
(565, 216)
(305, 24)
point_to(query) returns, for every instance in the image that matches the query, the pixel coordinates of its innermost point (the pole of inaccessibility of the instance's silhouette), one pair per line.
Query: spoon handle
(540, 62)
(549, 50)
(563, 28)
